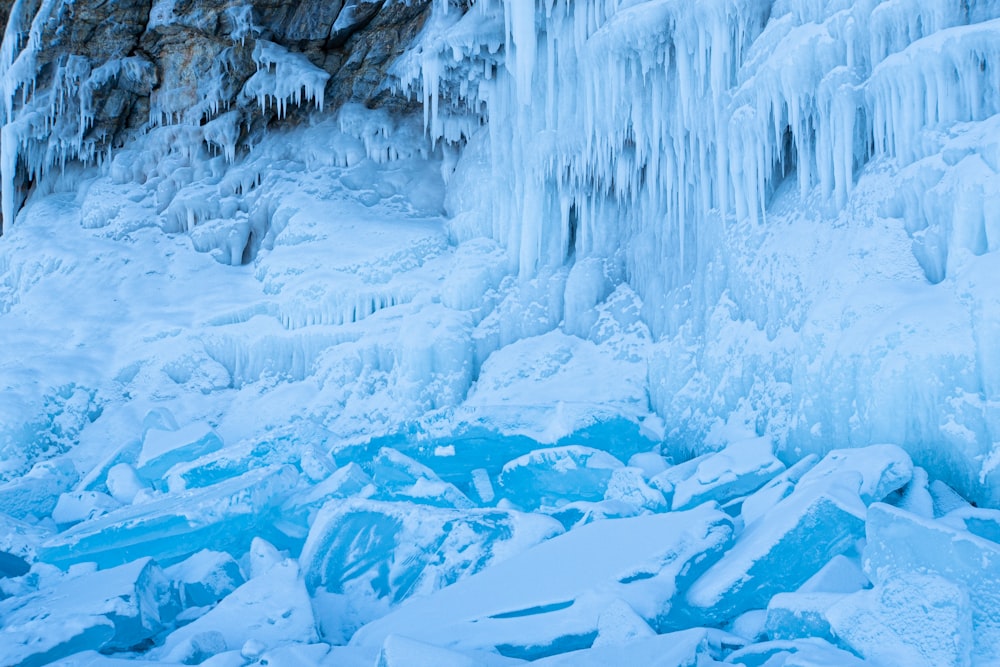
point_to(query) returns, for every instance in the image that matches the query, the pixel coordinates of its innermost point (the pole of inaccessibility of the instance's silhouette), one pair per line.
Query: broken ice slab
(557, 475)
(205, 578)
(398, 477)
(840, 575)
(550, 598)
(811, 652)
(735, 471)
(883, 469)
(117, 609)
(914, 619)
(977, 520)
(399, 651)
(916, 496)
(224, 516)
(666, 480)
(775, 490)
(162, 449)
(782, 549)
(901, 543)
(619, 624)
(34, 495)
(800, 615)
(945, 499)
(345, 482)
(18, 541)
(395, 550)
(685, 648)
(271, 610)
(77, 506)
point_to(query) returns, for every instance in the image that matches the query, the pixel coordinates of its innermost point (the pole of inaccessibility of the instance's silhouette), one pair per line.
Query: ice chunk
(163, 449)
(35, 494)
(398, 477)
(840, 575)
(117, 609)
(686, 648)
(769, 495)
(18, 541)
(735, 471)
(780, 551)
(79, 506)
(883, 469)
(650, 463)
(398, 651)
(901, 544)
(273, 610)
(557, 475)
(395, 550)
(123, 484)
(800, 615)
(750, 625)
(345, 482)
(916, 496)
(619, 624)
(205, 578)
(170, 528)
(945, 498)
(550, 598)
(262, 557)
(811, 652)
(977, 520)
(483, 486)
(629, 486)
(912, 619)
(674, 475)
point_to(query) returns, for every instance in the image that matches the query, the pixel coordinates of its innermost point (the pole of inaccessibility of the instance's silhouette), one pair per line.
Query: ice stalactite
(658, 123)
(659, 136)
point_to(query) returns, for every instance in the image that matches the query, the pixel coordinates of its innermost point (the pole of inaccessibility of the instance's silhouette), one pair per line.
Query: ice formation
(628, 332)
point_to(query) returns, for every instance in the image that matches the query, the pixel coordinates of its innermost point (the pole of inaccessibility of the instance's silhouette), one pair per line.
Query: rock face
(98, 72)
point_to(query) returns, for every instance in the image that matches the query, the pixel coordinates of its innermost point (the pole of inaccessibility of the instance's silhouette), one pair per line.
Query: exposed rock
(118, 68)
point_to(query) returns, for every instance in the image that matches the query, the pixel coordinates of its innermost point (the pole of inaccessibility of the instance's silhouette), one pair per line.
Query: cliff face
(82, 77)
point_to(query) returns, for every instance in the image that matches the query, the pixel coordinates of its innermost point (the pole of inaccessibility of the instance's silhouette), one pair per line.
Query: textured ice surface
(901, 545)
(735, 471)
(117, 609)
(780, 551)
(398, 651)
(883, 468)
(912, 619)
(267, 611)
(687, 648)
(545, 476)
(172, 527)
(162, 449)
(795, 653)
(205, 578)
(549, 599)
(394, 551)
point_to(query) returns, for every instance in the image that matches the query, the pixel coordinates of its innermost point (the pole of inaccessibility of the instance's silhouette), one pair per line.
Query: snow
(656, 315)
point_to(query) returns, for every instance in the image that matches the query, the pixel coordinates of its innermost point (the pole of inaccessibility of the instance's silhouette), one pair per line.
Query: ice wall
(733, 158)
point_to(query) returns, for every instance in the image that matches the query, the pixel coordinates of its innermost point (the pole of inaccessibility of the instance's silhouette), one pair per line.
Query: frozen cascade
(658, 135)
